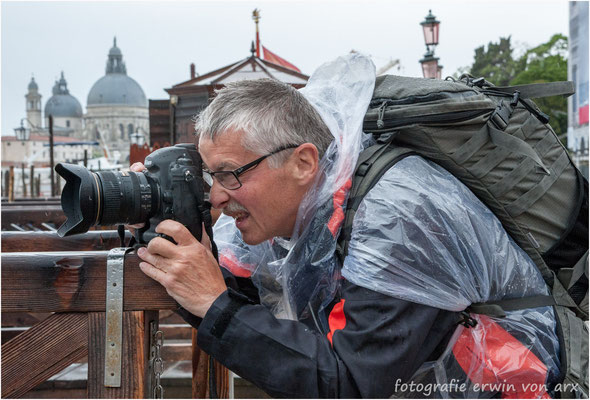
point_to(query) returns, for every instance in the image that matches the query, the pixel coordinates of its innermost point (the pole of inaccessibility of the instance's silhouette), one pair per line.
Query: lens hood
(80, 199)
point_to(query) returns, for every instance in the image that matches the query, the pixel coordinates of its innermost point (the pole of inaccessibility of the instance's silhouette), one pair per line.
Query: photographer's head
(270, 128)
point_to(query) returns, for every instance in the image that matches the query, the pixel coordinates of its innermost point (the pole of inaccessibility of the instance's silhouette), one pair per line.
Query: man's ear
(305, 163)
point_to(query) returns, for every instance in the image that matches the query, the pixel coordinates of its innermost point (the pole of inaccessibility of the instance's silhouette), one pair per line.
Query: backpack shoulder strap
(372, 163)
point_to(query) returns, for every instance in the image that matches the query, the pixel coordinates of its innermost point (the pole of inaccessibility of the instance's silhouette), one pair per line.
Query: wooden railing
(66, 278)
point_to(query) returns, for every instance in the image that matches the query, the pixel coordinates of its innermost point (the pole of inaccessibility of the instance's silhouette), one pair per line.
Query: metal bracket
(114, 316)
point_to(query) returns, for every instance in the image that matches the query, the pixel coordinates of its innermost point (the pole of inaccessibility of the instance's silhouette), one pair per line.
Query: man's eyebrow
(223, 166)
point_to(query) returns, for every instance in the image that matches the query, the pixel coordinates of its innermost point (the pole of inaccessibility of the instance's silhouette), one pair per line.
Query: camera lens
(104, 198)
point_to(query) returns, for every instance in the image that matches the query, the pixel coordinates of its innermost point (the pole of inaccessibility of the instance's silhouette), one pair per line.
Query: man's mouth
(237, 212)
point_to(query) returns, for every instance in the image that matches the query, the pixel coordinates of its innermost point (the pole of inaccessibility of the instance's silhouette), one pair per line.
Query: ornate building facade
(116, 108)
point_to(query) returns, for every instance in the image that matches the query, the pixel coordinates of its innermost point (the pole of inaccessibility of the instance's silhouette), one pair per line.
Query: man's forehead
(224, 152)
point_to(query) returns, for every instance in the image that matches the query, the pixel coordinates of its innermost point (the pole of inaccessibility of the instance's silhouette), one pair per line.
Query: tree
(547, 63)
(496, 63)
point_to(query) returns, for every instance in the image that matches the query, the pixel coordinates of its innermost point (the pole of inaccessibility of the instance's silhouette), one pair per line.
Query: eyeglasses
(230, 179)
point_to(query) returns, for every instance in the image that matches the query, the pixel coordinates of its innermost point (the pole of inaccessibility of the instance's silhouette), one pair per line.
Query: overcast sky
(159, 40)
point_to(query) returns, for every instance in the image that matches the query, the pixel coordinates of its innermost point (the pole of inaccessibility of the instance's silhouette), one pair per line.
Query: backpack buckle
(468, 321)
(478, 82)
(501, 116)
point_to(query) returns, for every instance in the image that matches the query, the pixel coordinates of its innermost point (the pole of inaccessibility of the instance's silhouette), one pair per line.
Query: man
(264, 147)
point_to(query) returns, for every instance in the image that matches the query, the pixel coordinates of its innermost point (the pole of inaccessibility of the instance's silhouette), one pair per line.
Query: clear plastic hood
(291, 273)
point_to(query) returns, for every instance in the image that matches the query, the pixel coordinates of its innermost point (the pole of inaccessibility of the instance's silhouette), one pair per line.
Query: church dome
(62, 103)
(116, 88)
(33, 85)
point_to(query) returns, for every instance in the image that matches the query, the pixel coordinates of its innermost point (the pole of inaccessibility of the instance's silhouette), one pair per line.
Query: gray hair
(271, 114)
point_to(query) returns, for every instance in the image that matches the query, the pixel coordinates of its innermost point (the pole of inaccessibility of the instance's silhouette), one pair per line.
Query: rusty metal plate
(114, 317)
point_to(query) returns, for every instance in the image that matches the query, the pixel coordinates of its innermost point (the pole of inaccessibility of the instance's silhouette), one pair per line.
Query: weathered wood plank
(135, 356)
(200, 389)
(42, 351)
(176, 331)
(73, 281)
(22, 215)
(11, 333)
(221, 380)
(22, 319)
(175, 350)
(13, 241)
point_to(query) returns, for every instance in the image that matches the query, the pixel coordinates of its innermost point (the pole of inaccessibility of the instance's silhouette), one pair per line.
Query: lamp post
(21, 132)
(430, 67)
(138, 138)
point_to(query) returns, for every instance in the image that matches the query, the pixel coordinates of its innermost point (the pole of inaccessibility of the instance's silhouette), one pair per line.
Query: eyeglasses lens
(208, 178)
(228, 180)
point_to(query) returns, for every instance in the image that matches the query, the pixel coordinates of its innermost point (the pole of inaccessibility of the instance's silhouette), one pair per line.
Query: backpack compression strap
(538, 90)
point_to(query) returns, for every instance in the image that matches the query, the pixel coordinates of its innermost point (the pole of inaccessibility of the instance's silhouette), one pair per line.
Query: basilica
(116, 110)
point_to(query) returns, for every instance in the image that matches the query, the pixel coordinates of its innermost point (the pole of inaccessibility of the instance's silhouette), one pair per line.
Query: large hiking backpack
(499, 144)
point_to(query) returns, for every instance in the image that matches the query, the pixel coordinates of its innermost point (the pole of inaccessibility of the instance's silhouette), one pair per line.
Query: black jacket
(382, 341)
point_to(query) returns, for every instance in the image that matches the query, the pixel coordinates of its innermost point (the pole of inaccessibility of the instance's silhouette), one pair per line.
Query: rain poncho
(419, 235)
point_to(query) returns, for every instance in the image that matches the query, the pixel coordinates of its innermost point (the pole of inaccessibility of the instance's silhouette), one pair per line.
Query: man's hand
(187, 270)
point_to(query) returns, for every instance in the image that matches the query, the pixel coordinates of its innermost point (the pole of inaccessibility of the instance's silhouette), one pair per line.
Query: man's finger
(162, 247)
(137, 167)
(153, 259)
(151, 271)
(205, 239)
(176, 231)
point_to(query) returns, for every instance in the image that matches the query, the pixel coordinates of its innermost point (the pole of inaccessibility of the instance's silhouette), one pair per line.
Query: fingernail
(141, 251)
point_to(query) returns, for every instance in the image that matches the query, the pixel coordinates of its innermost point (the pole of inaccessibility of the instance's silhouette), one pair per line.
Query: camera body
(178, 171)
(171, 187)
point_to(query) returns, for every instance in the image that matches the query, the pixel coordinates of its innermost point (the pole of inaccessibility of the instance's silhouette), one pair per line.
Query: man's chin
(251, 241)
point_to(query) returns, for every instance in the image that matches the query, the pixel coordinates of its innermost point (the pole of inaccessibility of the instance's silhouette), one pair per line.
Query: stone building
(66, 110)
(577, 131)
(116, 108)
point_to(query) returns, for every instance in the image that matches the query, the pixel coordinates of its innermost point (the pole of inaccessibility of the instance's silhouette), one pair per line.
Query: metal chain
(156, 363)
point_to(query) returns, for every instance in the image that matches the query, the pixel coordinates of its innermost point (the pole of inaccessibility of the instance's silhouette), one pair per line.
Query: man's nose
(218, 195)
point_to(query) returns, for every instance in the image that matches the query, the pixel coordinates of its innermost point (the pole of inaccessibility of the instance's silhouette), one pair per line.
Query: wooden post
(23, 180)
(200, 370)
(135, 357)
(11, 184)
(85, 158)
(32, 180)
(51, 161)
(38, 184)
(5, 183)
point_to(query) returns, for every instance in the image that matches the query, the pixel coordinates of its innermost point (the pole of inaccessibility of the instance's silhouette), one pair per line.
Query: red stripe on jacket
(336, 320)
(338, 215)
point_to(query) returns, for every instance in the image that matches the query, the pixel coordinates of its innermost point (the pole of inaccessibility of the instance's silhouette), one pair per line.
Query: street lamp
(430, 67)
(138, 138)
(430, 28)
(21, 132)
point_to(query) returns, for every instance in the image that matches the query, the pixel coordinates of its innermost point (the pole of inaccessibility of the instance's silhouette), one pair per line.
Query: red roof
(248, 68)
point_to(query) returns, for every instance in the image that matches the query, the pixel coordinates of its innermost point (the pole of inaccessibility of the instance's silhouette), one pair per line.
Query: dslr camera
(171, 187)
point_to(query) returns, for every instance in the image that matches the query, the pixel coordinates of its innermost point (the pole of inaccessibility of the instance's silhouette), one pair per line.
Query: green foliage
(544, 63)
(547, 63)
(496, 63)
